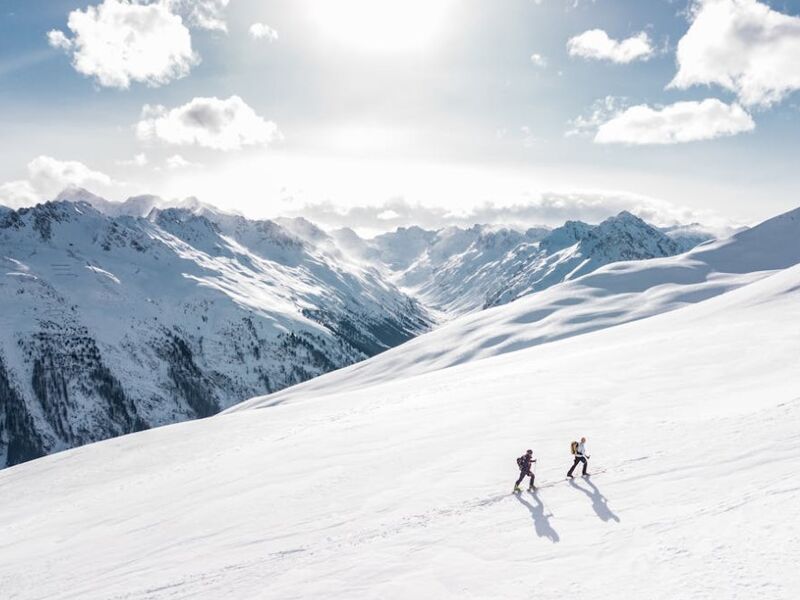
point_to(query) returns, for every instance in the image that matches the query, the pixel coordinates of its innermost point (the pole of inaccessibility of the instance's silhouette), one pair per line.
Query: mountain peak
(79, 194)
(624, 218)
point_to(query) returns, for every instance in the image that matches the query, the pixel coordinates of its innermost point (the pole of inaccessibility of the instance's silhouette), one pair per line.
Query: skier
(579, 450)
(524, 463)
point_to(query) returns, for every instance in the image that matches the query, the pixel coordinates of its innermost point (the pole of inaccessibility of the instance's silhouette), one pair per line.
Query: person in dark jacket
(525, 462)
(580, 457)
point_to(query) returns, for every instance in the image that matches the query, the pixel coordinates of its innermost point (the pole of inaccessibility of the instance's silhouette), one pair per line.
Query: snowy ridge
(457, 271)
(612, 295)
(115, 324)
(400, 489)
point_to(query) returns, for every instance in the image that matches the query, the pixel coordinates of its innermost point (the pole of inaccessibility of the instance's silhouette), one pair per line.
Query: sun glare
(381, 25)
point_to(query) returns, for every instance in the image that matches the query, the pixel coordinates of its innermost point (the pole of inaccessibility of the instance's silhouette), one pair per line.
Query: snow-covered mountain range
(613, 295)
(123, 316)
(458, 271)
(394, 483)
(111, 324)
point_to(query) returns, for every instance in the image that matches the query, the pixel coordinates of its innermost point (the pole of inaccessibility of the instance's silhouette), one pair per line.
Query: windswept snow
(400, 489)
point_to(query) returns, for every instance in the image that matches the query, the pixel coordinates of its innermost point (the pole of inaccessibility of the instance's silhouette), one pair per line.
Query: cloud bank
(549, 209)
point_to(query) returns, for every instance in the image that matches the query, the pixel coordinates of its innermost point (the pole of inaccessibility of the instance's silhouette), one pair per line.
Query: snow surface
(615, 294)
(400, 489)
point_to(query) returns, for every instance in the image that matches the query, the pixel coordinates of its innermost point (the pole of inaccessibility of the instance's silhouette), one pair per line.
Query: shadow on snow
(599, 502)
(541, 521)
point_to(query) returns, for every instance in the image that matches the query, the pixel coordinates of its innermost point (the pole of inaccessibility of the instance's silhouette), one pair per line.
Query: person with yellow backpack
(579, 452)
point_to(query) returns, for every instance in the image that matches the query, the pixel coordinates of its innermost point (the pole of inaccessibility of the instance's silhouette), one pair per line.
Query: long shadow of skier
(599, 502)
(541, 521)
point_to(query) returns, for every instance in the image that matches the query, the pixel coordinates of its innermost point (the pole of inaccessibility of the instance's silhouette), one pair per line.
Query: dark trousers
(523, 475)
(578, 460)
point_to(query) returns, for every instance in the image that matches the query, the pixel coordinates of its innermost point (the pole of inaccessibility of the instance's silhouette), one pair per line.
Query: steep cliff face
(113, 324)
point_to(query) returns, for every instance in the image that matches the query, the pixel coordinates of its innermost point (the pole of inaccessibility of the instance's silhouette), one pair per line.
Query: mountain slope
(400, 490)
(457, 271)
(577, 249)
(115, 324)
(612, 295)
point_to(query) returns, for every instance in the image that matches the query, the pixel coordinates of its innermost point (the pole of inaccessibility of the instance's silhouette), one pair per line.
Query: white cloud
(50, 175)
(674, 124)
(208, 122)
(16, 194)
(743, 46)
(122, 41)
(176, 161)
(262, 31)
(538, 60)
(203, 14)
(601, 111)
(47, 177)
(387, 215)
(595, 44)
(140, 160)
(57, 39)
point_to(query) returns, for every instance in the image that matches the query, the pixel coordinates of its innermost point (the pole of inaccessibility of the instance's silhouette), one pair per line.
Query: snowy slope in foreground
(401, 490)
(615, 294)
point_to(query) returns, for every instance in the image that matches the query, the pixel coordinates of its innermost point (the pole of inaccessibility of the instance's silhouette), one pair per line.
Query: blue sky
(416, 109)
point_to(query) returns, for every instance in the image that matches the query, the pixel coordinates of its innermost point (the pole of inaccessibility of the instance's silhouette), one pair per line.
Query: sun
(385, 26)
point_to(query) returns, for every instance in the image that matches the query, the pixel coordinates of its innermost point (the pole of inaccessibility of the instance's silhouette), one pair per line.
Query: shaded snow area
(400, 487)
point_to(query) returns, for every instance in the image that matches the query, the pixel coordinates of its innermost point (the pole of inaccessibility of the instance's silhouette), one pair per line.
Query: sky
(379, 113)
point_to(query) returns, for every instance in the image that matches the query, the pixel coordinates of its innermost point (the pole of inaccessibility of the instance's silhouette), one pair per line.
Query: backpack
(573, 447)
(521, 461)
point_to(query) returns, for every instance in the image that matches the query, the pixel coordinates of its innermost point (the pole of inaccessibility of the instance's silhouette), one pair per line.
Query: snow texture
(399, 487)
